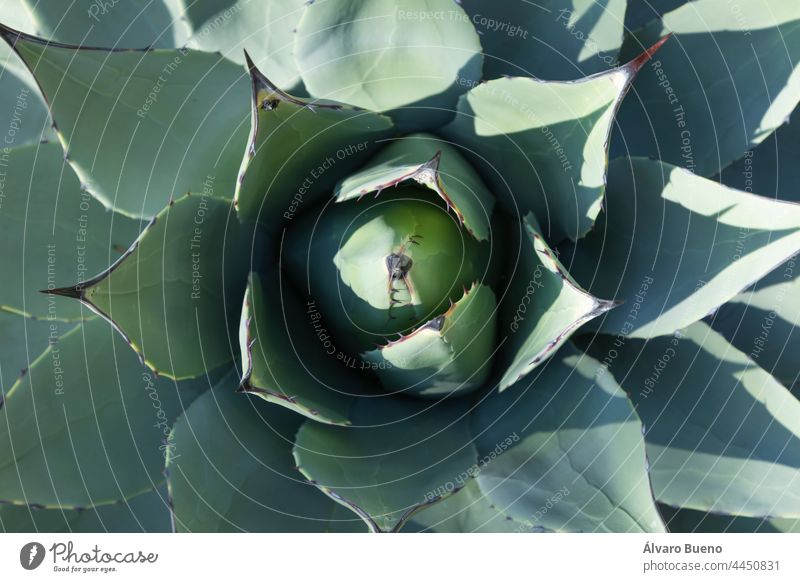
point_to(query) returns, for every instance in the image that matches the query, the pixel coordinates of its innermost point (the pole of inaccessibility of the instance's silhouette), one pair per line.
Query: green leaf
(722, 435)
(140, 127)
(763, 323)
(87, 425)
(542, 146)
(23, 340)
(375, 268)
(676, 246)
(297, 151)
(451, 354)
(265, 28)
(468, 510)
(433, 163)
(128, 24)
(231, 469)
(148, 512)
(175, 294)
(543, 306)
(548, 39)
(772, 168)
(410, 58)
(640, 12)
(23, 113)
(286, 363)
(565, 452)
(691, 521)
(53, 233)
(726, 82)
(399, 456)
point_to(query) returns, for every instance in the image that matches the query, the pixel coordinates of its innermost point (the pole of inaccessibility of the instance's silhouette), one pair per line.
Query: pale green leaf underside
(575, 447)
(397, 458)
(722, 435)
(676, 246)
(231, 470)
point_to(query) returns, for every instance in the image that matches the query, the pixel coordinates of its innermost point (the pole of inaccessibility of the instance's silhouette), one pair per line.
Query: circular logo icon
(31, 555)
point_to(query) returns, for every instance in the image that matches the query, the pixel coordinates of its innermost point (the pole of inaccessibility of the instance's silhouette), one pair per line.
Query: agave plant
(276, 265)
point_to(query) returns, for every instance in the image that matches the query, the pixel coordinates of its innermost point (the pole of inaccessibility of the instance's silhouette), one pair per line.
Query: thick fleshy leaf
(431, 162)
(468, 510)
(772, 168)
(691, 521)
(399, 456)
(577, 457)
(410, 58)
(23, 340)
(450, 354)
(231, 469)
(87, 425)
(640, 12)
(380, 267)
(265, 28)
(727, 80)
(23, 113)
(175, 295)
(722, 435)
(542, 146)
(89, 23)
(285, 362)
(763, 323)
(543, 306)
(676, 246)
(53, 233)
(548, 39)
(297, 151)
(22, 108)
(140, 127)
(148, 512)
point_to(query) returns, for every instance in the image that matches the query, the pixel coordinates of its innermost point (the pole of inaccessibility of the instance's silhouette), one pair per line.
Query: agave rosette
(366, 266)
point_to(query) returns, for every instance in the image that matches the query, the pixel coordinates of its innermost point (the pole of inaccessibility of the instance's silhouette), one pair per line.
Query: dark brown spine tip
(639, 61)
(71, 292)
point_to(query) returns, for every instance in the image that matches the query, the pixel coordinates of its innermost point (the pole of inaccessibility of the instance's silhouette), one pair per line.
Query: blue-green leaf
(231, 469)
(722, 435)
(409, 58)
(399, 457)
(728, 79)
(675, 246)
(564, 451)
